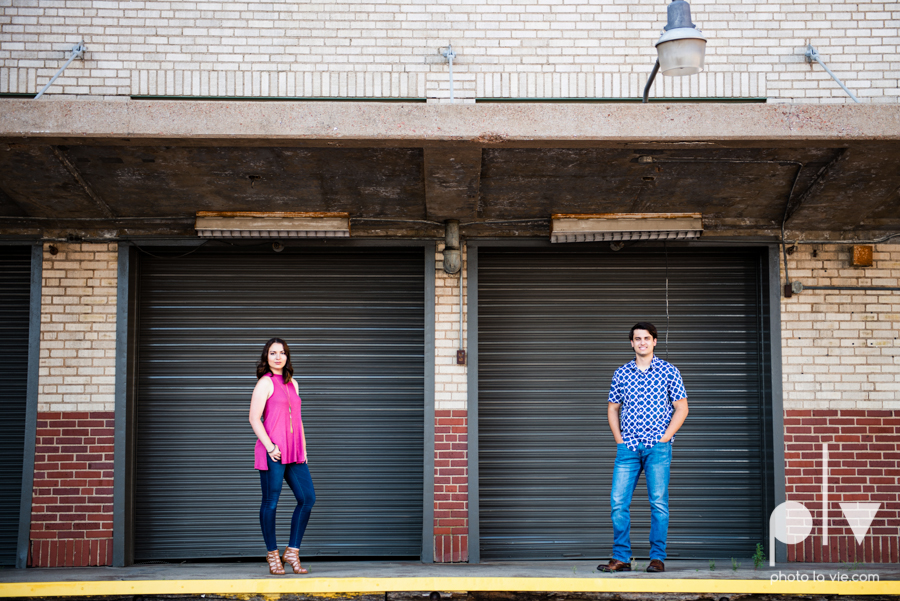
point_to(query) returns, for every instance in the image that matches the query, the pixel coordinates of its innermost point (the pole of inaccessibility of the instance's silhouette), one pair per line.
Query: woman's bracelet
(274, 446)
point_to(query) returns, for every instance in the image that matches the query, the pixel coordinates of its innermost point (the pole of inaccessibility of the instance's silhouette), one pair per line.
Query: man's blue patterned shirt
(646, 398)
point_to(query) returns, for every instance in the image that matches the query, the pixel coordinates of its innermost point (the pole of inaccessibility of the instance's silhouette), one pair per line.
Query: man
(647, 405)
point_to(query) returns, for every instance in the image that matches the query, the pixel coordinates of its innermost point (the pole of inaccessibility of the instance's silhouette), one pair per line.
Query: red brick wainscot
(864, 466)
(451, 487)
(72, 503)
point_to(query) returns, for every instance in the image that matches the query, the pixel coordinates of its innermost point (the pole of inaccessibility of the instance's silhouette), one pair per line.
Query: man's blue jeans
(655, 464)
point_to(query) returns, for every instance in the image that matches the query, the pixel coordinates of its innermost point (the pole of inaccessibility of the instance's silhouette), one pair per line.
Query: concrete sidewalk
(568, 579)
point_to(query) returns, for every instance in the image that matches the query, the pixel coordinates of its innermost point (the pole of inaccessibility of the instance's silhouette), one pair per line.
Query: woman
(280, 451)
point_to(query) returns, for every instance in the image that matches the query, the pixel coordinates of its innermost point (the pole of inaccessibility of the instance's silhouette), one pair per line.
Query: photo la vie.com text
(817, 576)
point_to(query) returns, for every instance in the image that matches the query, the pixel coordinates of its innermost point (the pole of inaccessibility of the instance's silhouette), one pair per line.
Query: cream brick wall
(391, 48)
(841, 349)
(78, 328)
(450, 384)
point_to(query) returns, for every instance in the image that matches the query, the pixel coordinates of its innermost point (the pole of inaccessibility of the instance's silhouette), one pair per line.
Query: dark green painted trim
(472, 404)
(428, 475)
(126, 376)
(635, 100)
(123, 471)
(31, 404)
(777, 403)
(775, 358)
(280, 98)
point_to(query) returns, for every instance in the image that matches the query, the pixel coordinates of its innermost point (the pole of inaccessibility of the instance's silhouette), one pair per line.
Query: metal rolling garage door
(552, 328)
(15, 290)
(354, 321)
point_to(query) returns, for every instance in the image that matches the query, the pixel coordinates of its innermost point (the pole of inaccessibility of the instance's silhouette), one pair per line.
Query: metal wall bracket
(77, 52)
(813, 56)
(450, 55)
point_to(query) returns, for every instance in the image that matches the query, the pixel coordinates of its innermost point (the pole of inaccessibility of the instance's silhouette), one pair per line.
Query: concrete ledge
(530, 580)
(333, 586)
(416, 123)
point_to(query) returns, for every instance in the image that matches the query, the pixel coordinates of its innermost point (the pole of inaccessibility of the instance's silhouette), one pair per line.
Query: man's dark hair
(643, 325)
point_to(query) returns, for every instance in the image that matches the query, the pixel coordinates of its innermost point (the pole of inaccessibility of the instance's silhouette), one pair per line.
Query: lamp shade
(681, 51)
(681, 46)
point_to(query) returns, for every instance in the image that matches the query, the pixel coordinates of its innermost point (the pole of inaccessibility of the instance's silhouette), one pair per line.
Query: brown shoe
(274, 560)
(656, 566)
(292, 558)
(615, 565)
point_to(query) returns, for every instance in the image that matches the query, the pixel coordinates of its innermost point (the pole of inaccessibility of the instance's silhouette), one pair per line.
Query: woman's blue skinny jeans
(298, 478)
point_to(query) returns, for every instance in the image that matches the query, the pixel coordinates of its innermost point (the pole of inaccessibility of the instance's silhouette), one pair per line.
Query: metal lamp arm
(650, 81)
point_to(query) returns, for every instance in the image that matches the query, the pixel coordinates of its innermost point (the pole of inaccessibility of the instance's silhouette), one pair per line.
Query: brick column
(72, 511)
(451, 487)
(72, 507)
(451, 472)
(841, 378)
(863, 466)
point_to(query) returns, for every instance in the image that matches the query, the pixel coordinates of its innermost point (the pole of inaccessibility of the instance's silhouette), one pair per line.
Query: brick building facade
(71, 521)
(839, 348)
(840, 383)
(451, 478)
(505, 49)
(841, 387)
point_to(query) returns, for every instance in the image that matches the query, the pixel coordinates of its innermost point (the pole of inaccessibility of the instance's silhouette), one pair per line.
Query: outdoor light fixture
(625, 226)
(681, 47)
(213, 224)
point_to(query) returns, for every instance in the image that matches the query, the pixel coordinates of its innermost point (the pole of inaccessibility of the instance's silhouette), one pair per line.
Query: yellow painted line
(287, 584)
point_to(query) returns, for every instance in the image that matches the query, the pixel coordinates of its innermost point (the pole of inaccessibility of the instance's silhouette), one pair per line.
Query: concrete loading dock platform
(395, 581)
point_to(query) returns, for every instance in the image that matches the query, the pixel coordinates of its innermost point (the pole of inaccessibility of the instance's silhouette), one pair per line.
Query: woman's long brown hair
(262, 368)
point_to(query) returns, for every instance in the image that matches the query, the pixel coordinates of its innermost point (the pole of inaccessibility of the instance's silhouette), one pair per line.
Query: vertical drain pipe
(461, 352)
(453, 264)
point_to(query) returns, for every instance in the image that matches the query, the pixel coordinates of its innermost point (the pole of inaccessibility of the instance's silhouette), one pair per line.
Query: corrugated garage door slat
(354, 320)
(15, 289)
(553, 327)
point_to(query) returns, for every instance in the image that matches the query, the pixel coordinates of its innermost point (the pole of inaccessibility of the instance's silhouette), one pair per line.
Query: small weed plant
(759, 558)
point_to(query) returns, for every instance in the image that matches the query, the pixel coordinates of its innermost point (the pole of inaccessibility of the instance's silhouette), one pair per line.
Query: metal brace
(812, 55)
(77, 52)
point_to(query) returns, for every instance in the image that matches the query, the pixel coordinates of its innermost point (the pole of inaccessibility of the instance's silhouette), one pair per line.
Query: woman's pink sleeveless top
(281, 419)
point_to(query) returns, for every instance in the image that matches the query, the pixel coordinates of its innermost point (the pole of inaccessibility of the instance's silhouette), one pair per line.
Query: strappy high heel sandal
(292, 558)
(274, 560)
